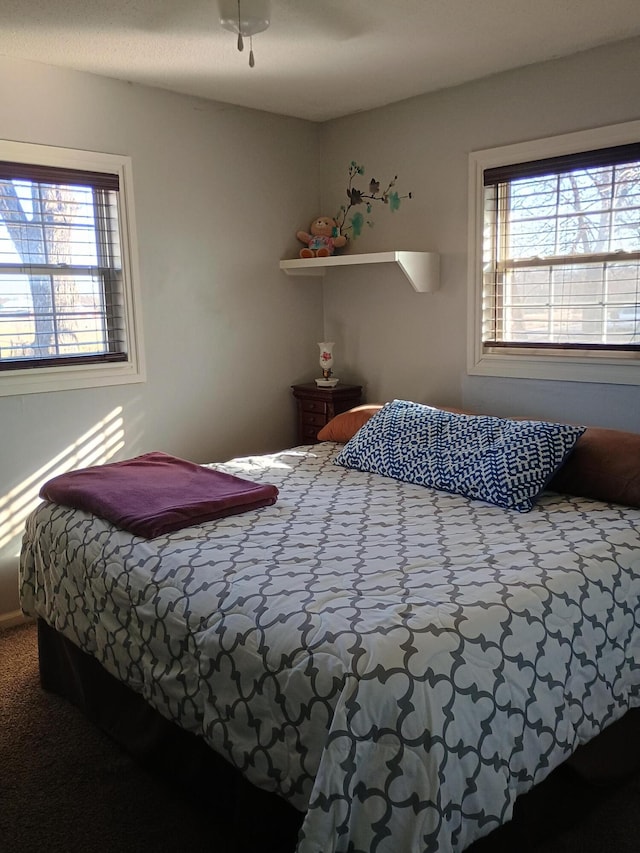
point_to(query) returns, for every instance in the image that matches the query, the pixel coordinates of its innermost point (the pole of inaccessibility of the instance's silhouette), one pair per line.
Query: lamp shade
(244, 17)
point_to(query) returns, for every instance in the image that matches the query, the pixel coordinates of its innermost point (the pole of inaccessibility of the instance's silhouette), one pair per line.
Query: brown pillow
(346, 425)
(605, 465)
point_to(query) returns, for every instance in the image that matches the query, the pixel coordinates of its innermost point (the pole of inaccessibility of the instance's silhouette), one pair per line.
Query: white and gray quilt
(398, 663)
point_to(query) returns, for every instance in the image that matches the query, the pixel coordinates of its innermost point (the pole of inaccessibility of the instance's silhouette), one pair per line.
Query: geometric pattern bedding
(398, 663)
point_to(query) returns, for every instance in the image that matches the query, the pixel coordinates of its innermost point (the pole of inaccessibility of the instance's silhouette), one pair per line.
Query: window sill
(39, 381)
(566, 369)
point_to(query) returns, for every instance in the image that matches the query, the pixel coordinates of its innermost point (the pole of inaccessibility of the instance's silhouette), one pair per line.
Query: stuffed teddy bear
(324, 239)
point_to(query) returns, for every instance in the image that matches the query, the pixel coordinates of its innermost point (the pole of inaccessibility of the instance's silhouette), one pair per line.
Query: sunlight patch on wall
(95, 447)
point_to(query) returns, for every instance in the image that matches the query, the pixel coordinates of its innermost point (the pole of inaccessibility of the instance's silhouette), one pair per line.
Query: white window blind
(561, 254)
(61, 278)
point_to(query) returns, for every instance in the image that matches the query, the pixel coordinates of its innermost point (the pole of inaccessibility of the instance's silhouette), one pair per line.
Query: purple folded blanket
(156, 493)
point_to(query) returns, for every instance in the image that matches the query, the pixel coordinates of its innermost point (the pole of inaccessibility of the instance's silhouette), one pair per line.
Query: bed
(396, 662)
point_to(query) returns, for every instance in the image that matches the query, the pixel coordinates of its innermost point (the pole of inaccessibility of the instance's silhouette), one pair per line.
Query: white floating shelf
(422, 269)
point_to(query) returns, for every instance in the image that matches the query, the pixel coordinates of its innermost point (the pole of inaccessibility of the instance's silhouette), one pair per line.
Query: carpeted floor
(66, 788)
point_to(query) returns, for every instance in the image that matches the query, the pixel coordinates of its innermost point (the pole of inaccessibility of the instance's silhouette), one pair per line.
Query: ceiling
(319, 59)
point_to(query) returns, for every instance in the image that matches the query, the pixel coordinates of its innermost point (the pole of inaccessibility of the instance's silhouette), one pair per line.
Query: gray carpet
(66, 788)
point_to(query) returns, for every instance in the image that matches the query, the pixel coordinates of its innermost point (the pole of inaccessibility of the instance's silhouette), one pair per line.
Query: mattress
(396, 662)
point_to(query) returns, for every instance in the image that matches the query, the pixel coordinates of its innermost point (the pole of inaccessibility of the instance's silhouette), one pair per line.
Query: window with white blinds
(562, 252)
(66, 288)
(559, 260)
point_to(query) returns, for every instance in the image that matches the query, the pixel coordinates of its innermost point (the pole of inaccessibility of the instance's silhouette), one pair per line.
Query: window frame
(568, 364)
(59, 377)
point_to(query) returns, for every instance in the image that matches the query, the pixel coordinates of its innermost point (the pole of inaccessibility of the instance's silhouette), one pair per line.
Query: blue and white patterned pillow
(501, 461)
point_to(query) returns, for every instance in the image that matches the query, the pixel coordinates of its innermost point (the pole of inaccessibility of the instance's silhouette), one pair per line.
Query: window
(555, 255)
(68, 303)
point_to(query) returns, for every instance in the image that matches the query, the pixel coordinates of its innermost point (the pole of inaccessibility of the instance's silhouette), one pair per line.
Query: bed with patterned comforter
(398, 663)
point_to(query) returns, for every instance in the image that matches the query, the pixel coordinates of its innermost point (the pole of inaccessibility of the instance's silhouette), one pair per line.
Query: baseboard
(10, 620)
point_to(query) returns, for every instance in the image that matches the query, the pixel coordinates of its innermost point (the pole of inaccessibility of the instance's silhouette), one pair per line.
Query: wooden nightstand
(316, 406)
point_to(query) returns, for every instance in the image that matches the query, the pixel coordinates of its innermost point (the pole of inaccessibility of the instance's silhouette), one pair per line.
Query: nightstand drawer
(317, 421)
(308, 433)
(318, 406)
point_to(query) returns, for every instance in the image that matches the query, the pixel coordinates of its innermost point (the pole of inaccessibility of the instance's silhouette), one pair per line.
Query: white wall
(219, 194)
(404, 344)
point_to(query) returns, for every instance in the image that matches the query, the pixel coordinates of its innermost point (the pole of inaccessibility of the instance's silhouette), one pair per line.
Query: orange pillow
(346, 425)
